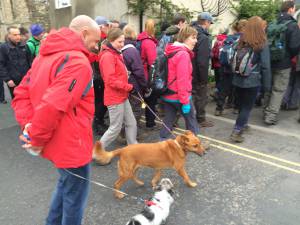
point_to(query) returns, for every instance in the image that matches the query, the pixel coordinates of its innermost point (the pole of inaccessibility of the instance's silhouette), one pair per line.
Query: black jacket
(14, 61)
(292, 41)
(202, 56)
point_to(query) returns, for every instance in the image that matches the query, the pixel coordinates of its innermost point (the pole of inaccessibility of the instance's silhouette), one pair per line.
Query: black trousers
(2, 96)
(151, 102)
(100, 108)
(225, 90)
(200, 100)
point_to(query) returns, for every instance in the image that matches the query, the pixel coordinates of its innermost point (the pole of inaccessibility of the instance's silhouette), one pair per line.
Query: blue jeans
(171, 109)
(70, 197)
(245, 101)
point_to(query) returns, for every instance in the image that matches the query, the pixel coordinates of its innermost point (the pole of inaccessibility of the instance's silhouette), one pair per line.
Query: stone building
(23, 13)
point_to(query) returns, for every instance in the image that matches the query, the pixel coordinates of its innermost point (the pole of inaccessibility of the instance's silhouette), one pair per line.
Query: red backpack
(216, 52)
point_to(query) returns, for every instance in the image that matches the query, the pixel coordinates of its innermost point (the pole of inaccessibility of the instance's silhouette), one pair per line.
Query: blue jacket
(134, 66)
(260, 76)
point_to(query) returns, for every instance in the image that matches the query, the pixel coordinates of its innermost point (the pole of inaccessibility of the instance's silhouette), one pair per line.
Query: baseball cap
(205, 16)
(101, 20)
(36, 29)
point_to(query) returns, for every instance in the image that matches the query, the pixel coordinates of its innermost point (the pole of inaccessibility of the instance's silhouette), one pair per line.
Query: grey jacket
(260, 76)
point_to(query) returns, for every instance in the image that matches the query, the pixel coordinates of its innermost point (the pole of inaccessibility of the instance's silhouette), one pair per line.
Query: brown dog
(165, 154)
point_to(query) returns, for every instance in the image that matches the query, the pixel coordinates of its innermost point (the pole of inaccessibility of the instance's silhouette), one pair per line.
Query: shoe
(270, 122)
(236, 136)
(246, 128)
(218, 112)
(206, 123)
(3, 102)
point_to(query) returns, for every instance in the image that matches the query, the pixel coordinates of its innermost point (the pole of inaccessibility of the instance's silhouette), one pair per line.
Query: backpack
(226, 52)
(166, 39)
(276, 33)
(158, 75)
(242, 61)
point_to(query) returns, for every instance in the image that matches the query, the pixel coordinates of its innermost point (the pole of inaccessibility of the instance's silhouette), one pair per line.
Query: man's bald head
(88, 30)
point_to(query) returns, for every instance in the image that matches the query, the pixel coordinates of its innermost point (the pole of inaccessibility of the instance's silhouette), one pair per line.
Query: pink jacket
(148, 51)
(180, 73)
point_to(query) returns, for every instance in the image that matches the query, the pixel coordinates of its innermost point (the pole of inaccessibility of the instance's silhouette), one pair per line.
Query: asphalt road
(255, 183)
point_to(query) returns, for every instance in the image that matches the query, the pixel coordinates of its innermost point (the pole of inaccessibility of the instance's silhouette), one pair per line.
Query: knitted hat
(36, 29)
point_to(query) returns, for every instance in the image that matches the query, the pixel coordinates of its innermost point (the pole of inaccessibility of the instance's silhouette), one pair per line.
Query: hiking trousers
(280, 84)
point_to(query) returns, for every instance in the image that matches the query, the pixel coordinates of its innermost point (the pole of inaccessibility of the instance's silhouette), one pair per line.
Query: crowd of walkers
(50, 79)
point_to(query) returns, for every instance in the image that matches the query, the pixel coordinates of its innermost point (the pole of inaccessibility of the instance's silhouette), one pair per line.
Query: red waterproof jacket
(215, 59)
(57, 97)
(148, 51)
(179, 73)
(115, 76)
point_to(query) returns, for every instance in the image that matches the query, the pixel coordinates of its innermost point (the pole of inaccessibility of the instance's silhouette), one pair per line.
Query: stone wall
(23, 13)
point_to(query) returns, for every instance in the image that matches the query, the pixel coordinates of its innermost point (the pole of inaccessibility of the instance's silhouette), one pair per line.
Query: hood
(129, 41)
(201, 30)
(62, 40)
(221, 37)
(144, 35)
(285, 16)
(177, 46)
(172, 30)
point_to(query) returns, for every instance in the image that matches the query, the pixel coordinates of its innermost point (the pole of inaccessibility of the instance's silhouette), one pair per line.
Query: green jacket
(33, 46)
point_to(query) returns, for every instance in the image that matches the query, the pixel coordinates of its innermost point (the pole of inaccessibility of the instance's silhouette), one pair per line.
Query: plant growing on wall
(163, 10)
(266, 9)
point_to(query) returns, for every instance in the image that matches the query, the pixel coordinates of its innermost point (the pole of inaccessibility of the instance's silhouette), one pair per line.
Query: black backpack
(158, 75)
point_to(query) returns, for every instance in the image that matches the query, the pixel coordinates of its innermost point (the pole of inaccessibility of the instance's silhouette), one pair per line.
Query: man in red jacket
(55, 105)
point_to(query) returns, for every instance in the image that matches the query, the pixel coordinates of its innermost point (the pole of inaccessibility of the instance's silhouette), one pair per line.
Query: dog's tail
(102, 156)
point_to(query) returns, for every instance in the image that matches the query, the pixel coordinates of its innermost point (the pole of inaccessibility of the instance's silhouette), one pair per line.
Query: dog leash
(106, 187)
(140, 98)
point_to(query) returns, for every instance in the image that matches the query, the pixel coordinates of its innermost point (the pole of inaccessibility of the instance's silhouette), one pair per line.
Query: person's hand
(25, 139)
(11, 83)
(186, 108)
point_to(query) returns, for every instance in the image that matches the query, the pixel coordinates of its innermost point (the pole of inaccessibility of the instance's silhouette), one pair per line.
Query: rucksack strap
(127, 46)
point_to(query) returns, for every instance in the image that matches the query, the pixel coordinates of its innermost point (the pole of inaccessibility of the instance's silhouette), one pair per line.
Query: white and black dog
(157, 208)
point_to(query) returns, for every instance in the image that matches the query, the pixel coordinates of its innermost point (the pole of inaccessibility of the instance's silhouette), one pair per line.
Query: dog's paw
(192, 184)
(119, 195)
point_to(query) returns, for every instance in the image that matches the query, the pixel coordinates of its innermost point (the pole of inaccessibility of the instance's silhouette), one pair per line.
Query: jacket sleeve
(21, 103)
(202, 58)
(293, 39)
(136, 67)
(266, 68)
(182, 76)
(150, 51)
(107, 66)
(3, 64)
(61, 96)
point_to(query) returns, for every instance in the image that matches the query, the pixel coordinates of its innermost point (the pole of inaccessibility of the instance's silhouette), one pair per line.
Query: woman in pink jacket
(147, 45)
(180, 82)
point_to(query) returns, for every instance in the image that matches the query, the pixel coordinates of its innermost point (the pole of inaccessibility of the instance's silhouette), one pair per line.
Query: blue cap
(205, 16)
(36, 29)
(101, 20)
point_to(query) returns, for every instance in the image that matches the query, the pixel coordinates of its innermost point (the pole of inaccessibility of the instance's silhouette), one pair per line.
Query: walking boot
(236, 136)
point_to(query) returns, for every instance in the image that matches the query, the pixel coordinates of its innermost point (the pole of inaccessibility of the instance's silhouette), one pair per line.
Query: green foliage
(163, 10)
(266, 9)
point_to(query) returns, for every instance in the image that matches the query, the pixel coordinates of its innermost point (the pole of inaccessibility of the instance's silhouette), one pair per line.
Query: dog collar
(151, 203)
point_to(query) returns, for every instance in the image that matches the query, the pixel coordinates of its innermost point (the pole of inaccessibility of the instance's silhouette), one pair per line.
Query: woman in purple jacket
(135, 69)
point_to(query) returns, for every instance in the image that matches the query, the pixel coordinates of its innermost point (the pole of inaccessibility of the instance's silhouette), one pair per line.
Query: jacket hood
(172, 30)
(62, 40)
(285, 16)
(144, 35)
(129, 41)
(177, 46)
(201, 30)
(221, 37)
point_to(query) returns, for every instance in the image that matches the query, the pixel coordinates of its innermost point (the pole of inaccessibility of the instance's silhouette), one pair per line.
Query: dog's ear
(171, 192)
(188, 132)
(157, 188)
